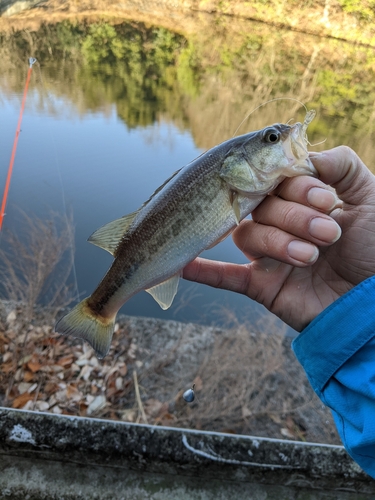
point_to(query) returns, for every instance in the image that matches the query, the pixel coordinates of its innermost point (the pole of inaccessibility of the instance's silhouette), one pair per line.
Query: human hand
(299, 263)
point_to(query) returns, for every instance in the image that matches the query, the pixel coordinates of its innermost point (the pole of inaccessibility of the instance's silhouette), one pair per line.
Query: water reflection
(114, 109)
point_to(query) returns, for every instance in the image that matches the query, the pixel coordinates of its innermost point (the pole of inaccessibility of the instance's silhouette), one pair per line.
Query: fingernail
(304, 252)
(323, 229)
(322, 198)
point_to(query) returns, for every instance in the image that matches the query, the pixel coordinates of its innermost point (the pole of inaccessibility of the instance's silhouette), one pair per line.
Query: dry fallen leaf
(7, 356)
(21, 400)
(12, 316)
(152, 407)
(24, 360)
(73, 394)
(119, 383)
(123, 369)
(246, 412)
(198, 383)
(97, 404)
(28, 376)
(23, 387)
(8, 367)
(41, 405)
(34, 366)
(65, 361)
(3, 339)
(287, 433)
(57, 409)
(129, 415)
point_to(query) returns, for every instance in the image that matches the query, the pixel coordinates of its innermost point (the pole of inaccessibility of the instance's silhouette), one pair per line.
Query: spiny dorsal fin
(109, 236)
(165, 292)
(161, 187)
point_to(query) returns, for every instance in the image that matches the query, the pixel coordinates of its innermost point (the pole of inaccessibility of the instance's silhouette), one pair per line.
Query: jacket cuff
(336, 334)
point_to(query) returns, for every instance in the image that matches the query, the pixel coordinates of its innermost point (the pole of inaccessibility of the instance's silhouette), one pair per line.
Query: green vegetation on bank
(351, 20)
(363, 10)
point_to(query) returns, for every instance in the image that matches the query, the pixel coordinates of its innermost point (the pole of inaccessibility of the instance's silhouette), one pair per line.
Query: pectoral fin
(109, 236)
(235, 206)
(165, 292)
(219, 240)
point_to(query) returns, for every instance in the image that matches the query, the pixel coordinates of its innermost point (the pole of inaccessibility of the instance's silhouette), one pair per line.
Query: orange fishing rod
(32, 60)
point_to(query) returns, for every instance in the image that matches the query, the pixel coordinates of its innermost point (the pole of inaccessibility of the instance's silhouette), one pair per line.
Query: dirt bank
(246, 382)
(329, 18)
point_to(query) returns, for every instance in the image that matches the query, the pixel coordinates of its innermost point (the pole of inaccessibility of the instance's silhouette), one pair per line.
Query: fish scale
(192, 211)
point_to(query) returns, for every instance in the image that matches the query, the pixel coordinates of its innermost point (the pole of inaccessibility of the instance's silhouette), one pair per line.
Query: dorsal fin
(109, 236)
(161, 187)
(165, 292)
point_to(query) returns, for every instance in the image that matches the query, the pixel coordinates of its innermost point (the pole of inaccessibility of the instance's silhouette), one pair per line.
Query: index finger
(233, 277)
(342, 169)
(308, 191)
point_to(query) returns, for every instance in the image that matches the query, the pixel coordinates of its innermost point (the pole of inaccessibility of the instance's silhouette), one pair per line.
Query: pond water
(114, 109)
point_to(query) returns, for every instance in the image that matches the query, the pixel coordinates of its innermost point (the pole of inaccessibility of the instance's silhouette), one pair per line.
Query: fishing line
(317, 143)
(32, 60)
(263, 104)
(57, 165)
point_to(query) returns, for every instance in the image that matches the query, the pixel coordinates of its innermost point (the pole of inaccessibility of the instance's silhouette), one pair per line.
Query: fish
(195, 209)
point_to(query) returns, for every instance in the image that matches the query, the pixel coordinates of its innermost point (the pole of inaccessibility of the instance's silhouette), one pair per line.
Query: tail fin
(81, 322)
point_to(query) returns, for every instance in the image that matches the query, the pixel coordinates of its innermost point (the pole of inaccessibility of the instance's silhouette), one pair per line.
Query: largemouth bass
(193, 210)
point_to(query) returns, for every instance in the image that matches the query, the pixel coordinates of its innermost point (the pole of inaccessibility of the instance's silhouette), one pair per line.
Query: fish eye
(271, 135)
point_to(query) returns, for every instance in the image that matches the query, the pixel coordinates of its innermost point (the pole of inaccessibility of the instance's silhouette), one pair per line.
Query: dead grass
(36, 262)
(247, 381)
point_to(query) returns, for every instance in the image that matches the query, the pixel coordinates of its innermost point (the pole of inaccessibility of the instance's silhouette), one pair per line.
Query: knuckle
(242, 233)
(292, 217)
(347, 151)
(288, 215)
(271, 241)
(349, 156)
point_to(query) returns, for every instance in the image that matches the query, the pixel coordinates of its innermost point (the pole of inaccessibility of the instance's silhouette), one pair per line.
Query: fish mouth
(295, 148)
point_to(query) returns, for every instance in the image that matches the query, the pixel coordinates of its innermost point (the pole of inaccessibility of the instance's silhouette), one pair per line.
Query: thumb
(342, 169)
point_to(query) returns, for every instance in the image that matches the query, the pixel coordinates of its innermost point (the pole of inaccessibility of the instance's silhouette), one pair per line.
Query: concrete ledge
(53, 456)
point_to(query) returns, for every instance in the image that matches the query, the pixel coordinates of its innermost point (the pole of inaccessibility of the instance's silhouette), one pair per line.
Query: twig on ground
(138, 396)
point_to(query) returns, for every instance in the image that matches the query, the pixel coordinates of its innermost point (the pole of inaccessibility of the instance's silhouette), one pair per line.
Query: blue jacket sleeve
(337, 351)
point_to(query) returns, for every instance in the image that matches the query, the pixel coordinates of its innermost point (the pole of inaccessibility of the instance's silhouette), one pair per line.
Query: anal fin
(165, 292)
